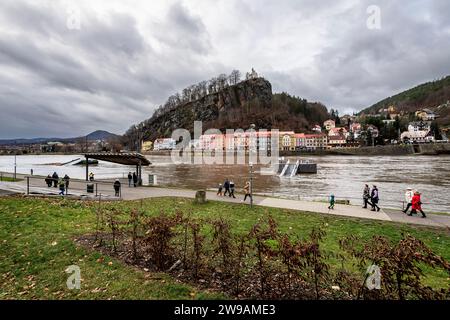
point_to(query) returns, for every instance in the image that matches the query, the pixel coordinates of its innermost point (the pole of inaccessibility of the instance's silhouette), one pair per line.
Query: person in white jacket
(408, 199)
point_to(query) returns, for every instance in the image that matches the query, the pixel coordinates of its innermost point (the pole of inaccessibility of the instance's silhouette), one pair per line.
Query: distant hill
(96, 135)
(429, 95)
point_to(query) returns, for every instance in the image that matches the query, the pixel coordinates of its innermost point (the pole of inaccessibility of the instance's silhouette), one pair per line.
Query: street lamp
(15, 166)
(251, 184)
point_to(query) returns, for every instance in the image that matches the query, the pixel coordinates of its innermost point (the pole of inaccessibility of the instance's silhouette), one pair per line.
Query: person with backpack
(332, 202)
(62, 186)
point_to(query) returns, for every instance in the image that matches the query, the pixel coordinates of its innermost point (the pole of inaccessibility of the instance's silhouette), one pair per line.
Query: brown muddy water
(344, 176)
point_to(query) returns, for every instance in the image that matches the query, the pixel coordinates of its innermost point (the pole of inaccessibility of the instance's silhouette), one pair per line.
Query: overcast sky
(126, 57)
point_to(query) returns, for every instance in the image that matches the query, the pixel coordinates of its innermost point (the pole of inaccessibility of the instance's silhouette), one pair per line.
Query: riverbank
(38, 235)
(104, 190)
(387, 150)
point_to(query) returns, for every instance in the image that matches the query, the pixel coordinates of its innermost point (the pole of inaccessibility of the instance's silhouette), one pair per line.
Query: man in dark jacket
(67, 179)
(130, 179)
(117, 187)
(135, 179)
(55, 178)
(232, 189)
(375, 198)
(366, 196)
(49, 181)
(226, 186)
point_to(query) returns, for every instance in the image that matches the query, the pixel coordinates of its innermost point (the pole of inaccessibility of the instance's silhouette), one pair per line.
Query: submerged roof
(128, 159)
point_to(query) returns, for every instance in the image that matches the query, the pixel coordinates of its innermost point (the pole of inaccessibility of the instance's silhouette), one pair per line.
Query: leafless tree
(235, 77)
(222, 81)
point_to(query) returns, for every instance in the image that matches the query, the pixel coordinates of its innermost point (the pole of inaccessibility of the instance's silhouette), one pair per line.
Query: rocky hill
(210, 109)
(433, 95)
(250, 102)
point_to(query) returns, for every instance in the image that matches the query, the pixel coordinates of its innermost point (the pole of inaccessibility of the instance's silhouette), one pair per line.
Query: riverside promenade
(78, 187)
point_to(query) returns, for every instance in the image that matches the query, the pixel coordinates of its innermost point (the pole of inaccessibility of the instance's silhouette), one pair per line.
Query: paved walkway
(78, 188)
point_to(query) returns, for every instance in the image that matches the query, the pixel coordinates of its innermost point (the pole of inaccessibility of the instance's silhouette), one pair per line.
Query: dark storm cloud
(128, 58)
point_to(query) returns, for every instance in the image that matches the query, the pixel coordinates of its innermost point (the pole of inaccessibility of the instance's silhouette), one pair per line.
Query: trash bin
(90, 188)
(152, 180)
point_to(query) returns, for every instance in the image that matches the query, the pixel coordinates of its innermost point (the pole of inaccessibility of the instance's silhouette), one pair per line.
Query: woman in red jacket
(416, 205)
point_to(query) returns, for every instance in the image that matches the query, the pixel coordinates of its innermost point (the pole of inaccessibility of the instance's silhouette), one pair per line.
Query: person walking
(374, 197)
(232, 189)
(49, 181)
(91, 176)
(416, 204)
(332, 202)
(117, 187)
(62, 185)
(247, 191)
(409, 194)
(219, 191)
(67, 180)
(366, 196)
(135, 179)
(55, 179)
(130, 179)
(226, 186)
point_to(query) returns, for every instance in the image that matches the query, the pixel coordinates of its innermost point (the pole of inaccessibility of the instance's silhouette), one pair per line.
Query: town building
(164, 144)
(300, 141)
(287, 141)
(317, 129)
(316, 141)
(418, 132)
(338, 132)
(336, 141)
(426, 115)
(373, 131)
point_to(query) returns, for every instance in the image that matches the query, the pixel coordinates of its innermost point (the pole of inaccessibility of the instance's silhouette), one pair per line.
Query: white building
(164, 144)
(419, 131)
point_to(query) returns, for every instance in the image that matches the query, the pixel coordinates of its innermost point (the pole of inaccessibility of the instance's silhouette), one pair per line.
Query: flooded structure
(292, 168)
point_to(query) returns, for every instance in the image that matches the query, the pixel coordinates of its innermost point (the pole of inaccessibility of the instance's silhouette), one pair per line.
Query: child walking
(331, 207)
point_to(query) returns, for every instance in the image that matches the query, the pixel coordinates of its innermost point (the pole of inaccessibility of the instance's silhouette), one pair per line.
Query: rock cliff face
(210, 108)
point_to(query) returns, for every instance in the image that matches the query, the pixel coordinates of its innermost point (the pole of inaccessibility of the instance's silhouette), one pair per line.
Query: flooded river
(344, 176)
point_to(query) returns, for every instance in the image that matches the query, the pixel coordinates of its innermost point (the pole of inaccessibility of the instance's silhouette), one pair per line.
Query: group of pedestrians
(371, 197)
(55, 181)
(132, 179)
(228, 188)
(413, 201)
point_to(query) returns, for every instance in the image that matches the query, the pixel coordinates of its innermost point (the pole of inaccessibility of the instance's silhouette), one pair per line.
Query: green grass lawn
(36, 246)
(9, 179)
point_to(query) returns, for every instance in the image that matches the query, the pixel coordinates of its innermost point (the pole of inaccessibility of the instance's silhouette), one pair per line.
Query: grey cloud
(121, 65)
